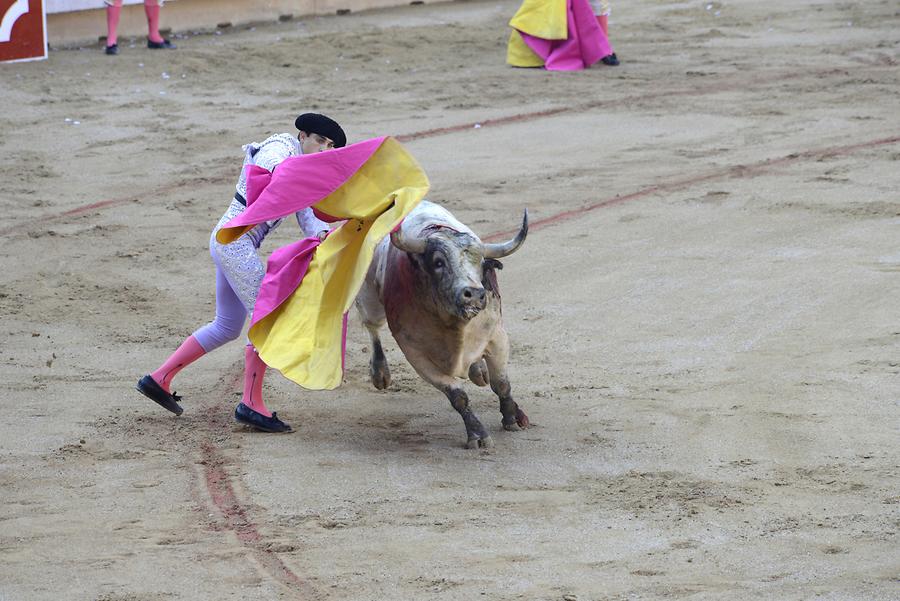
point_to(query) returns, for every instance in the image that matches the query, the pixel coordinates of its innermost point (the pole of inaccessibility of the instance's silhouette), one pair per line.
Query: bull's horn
(504, 249)
(415, 245)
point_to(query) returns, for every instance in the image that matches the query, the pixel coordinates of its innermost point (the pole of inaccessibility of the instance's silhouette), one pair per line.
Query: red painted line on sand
(733, 172)
(221, 491)
(719, 86)
(224, 499)
(87, 208)
(113, 202)
(440, 131)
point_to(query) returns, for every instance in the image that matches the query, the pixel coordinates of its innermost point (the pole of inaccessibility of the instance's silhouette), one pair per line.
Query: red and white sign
(23, 30)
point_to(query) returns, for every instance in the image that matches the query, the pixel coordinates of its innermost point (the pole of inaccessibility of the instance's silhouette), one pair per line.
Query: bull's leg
(496, 357)
(378, 366)
(372, 313)
(476, 435)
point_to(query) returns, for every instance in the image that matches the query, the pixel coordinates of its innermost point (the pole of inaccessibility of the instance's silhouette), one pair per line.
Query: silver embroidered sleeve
(309, 223)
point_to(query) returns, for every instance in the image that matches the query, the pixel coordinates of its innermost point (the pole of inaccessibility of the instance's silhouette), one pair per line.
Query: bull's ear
(489, 274)
(491, 264)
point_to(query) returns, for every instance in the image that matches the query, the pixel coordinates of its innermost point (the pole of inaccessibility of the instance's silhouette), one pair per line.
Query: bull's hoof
(381, 378)
(515, 423)
(480, 443)
(478, 373)
(522, 419)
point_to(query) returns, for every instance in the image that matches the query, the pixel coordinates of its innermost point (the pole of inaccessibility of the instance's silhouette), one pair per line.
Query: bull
(434, 282)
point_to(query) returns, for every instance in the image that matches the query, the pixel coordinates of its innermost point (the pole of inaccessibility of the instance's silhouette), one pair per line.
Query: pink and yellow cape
(298, 323)
(559, 35)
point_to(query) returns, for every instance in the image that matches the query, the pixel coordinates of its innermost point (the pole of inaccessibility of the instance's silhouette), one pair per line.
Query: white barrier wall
(68, 6)
(71, 22)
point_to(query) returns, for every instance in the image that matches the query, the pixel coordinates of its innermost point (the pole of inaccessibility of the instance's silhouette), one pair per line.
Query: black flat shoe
(610, 60)
(255, 419)
(114, 49)
(166, 44)
(148, 387)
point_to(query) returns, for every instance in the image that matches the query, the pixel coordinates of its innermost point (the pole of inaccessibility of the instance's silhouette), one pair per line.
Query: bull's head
(454, 262)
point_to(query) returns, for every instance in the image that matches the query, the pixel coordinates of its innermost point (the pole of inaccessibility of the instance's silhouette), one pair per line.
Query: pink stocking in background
(151, 7)
(113, 11)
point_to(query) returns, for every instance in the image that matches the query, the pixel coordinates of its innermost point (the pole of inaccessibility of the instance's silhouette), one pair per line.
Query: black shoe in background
(165, 44)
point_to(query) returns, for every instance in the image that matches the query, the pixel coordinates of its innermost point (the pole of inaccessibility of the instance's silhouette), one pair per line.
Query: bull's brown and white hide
(434, 284)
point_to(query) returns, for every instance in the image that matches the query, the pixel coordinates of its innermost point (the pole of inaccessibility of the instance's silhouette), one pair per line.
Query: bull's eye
(438, 263)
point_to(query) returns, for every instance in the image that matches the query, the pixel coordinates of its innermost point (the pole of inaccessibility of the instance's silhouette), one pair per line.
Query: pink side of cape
(285, 270)
(585, 45)
(300, 182)
(257, 180)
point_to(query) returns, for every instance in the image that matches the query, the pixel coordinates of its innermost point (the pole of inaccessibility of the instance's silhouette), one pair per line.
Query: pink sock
(112, 23)
(254, 371)
(603, 21)
(151, 7)
(189, 351)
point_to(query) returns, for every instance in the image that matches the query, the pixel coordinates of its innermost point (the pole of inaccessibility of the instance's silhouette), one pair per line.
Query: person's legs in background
(154, 40)
(601, 9)
(113, 12)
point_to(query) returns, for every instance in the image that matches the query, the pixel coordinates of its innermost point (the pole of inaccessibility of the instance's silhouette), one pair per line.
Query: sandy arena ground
(705, 318)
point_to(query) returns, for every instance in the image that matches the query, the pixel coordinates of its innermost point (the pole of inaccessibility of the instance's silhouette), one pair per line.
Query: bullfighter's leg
(496, 357)
(372, 312)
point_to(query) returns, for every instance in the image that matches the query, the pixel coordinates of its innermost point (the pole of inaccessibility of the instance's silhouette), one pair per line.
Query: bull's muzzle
(471, 300)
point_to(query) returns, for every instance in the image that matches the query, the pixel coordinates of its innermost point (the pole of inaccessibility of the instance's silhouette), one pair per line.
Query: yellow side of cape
(545, 19)
(302, 338)
(518, 54)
